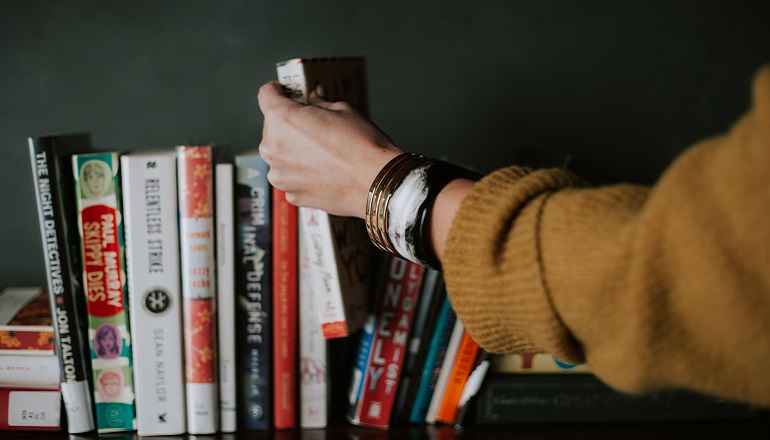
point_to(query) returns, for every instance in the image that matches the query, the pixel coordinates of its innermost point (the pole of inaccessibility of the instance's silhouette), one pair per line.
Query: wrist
(400, 205)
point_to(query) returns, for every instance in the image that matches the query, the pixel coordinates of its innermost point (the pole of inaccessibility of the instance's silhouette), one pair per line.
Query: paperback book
(100, 221)
(54, 193)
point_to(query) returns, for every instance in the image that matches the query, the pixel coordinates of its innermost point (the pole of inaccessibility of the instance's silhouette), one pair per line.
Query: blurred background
(621, 87)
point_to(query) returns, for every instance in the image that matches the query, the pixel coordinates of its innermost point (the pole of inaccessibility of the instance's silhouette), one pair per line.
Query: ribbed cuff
(492, 265)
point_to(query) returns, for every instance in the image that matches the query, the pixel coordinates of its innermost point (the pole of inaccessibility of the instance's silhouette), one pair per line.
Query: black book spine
(55, 206)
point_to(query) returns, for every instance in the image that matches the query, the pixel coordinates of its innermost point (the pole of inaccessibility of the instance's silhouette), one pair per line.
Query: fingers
(271, 97)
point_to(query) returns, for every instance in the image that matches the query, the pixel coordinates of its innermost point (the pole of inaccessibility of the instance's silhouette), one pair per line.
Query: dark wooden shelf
(757, 427)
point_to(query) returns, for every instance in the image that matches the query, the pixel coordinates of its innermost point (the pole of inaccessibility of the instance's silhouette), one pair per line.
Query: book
(195, 185)
(462, 367)
(29, 409)
(509, 399)
(31, 371)
(100, 224)
(313, 360)
(389, 344)
(424, 319)
(54, 193)
(339, 247)
(226, 322)
(254, 290)
(533, 363)
(444, 372)
(154, 290)
(433, 360)
(26, 325)
(285, 293)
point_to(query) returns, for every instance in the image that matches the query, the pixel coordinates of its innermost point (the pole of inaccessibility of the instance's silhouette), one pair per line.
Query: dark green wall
(623, 86)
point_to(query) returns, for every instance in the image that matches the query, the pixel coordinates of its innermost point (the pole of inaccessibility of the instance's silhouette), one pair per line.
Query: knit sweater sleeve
(655, 287)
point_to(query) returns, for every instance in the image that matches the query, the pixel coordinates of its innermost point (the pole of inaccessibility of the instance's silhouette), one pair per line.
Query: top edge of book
(301, 60)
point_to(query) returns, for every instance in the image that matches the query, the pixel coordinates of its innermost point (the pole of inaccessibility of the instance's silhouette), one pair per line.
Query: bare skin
(326, 155)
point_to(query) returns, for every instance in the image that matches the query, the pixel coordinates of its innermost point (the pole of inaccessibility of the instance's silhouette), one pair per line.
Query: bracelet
(399, 203)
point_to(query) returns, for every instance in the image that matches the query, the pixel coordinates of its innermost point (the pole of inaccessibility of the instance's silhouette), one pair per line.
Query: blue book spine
(253, 272)
(361, 361)
(438, 343)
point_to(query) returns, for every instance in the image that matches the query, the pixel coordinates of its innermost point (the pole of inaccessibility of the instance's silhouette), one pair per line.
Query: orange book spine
(461, 370)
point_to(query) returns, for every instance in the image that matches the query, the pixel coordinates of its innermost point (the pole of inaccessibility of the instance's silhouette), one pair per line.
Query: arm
(656, 287)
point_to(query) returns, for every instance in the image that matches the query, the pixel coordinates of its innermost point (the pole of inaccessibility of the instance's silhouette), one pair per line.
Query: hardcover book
(313, 360)
(339, 248)
(196, 239)
(30, 409)
(100, 221)
(430, 367)
(226, 322)
(154, 291)
(54, 191)
(389, 344)
(26, 326)
(508, 399)
(254, 290)
(285, 293)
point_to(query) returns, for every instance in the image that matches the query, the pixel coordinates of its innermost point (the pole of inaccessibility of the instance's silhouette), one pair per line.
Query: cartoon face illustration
(107, 341)
(110, 383)
(95, 178)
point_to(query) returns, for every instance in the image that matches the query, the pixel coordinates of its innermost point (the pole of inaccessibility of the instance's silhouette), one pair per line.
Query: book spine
(196, 236)
(363, 354)
(97, 193)
(254, 290)
(427, 308)
(53, 185)
(313, 364)
(461, 370)
(30, 409)
(314, 225)
(154, 291)
(27, 340)
(285, 272)
(434, 358)
(394, 322)
(444, 372)
(38, 371)
(225, 240)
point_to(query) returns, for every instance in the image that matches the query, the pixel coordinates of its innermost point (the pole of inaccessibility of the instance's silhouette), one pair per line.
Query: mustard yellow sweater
(655, 287)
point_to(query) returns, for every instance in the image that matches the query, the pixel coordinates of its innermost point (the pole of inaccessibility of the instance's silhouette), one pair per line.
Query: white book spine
(312, 349)
(314, 225)
(446, 371)
(35, 371)
(225, 220)
(152, 253)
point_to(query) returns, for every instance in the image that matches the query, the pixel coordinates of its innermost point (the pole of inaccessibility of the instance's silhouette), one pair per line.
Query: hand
(324, 155)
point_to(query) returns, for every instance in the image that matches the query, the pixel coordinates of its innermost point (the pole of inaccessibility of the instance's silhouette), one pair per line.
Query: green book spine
(100, 223)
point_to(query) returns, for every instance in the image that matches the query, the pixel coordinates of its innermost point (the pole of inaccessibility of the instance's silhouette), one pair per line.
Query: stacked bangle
(399, 203)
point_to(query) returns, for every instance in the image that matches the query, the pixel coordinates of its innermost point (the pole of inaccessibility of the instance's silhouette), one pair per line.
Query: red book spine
(30, 409)
(285, 273)
(389, 345)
